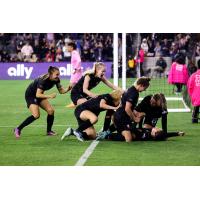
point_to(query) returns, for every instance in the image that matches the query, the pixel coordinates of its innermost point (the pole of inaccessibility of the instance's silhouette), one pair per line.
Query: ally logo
(20, 70)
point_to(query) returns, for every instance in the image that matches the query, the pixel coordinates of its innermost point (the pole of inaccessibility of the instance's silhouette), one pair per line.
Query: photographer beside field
(35, 99)
(194, 91)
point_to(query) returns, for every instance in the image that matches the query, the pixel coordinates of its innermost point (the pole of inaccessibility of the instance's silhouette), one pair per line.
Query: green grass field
(34, 148)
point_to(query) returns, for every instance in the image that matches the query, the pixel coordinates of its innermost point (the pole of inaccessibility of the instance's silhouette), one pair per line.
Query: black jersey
(152, 112)
(41, 83)
(93, 104)
(131, 95)
(78, 88)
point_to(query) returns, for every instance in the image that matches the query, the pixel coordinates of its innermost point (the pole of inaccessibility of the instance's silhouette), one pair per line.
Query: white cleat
(67, 133)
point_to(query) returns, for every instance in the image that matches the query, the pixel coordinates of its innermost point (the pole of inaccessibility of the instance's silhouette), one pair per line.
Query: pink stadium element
(194, 88)
(178, 74)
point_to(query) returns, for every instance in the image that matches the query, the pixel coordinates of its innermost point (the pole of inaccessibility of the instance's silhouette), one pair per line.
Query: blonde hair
(116, 94)
(94, 68)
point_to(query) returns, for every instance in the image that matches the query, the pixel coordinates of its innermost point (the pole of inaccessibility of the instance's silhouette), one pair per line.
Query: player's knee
(50, 111)
(36, 115)
(128, 138)
(94, 120)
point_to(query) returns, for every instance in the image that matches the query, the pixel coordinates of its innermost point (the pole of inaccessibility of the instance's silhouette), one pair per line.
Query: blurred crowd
(52, 47)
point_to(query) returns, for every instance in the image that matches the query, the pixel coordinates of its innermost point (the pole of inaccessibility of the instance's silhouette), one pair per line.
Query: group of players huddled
(125, 119)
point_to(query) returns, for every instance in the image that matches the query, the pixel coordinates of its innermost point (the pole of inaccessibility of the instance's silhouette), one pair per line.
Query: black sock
(106, 123)
(195, 113)
(26, 122)
(116, 137)
(50, 119)
(112, 128)
(84, 126)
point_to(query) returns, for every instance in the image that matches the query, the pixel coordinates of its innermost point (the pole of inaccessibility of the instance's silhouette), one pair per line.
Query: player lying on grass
(124, 115)
(36, 98)
(141, 134)
(87, 114)
(152, 107)
(81, 91)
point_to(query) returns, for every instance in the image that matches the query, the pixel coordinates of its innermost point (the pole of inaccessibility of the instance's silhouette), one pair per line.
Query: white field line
(64, 125)
(82, 160)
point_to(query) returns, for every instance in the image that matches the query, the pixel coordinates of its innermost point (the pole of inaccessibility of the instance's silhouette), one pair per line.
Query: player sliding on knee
(87, 114)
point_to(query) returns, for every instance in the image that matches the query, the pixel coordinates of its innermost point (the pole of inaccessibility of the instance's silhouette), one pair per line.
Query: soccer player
(81, 91)
(154, 107)
(143, 134)
(194, 91)
(87, 114)
(125, 114)
(36, 98)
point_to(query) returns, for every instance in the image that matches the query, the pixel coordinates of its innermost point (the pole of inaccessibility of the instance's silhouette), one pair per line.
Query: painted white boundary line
(82, 160)
(64, 125)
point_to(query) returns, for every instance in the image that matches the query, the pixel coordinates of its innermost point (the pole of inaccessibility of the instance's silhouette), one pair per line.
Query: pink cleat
(51, 133)
(17, 133)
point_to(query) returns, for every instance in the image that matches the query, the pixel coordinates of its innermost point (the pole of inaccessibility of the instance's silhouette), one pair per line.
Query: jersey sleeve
(58, 85)
(132, 97)
(41, 84)
(141, 107)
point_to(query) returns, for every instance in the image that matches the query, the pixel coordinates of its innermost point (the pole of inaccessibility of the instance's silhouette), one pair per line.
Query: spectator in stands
(159, 68)
(197, 52)
(34, 58)
(140, 61)
(178, 74)
(173, 50)
(144, 46)
(157, 49)
(165, 48)
(27, 50)
(191, 67)
(59, 56)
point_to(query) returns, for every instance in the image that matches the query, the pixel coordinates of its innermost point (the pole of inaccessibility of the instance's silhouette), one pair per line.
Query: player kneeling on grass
(36, 98)
(147, 113)
(125, 114)
(87, 114)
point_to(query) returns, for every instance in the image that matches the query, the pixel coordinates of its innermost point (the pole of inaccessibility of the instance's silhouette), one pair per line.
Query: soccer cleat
(79, 136)
(51, 133)
(103, 135)
(194, 121)
(67, 133)
(17, 133)
(181, 133)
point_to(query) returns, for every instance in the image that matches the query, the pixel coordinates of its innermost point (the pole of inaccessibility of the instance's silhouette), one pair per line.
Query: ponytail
(144, 81)
(94, 68)
(52, 69)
